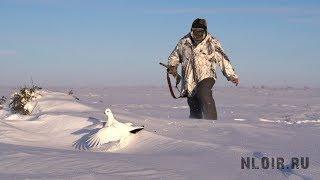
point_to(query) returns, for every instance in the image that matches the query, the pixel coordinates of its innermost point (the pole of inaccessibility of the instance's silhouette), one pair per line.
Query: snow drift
(51, 143)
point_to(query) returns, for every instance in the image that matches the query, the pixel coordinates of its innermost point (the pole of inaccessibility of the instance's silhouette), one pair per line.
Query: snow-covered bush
(2, 101)
(19, 101)
(71, 93)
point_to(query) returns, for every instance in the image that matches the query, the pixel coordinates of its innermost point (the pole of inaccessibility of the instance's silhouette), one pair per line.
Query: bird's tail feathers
(136, 129)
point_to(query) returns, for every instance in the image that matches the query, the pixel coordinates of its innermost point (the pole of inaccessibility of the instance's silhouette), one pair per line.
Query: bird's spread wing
(96, 139)
(113, 133)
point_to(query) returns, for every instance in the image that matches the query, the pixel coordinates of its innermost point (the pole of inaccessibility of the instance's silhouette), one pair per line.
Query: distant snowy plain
(253, 122)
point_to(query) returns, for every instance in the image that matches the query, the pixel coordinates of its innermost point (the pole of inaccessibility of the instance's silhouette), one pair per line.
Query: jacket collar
(191, 42)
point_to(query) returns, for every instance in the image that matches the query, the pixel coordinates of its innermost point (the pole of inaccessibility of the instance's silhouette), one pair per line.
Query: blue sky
(79, 43)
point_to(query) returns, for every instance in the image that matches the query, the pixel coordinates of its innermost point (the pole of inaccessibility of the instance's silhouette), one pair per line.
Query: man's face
(198, 34)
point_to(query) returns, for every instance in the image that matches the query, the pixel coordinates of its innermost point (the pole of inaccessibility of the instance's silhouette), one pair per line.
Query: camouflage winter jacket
(199, 62)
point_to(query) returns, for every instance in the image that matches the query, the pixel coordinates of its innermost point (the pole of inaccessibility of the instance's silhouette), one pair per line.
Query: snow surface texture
(51, 144)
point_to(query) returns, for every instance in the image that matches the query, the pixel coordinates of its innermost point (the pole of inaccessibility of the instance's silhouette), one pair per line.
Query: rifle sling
(170, 87)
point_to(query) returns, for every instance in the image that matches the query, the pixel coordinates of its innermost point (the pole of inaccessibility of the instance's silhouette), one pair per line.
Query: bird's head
(109, 117)
(108, 112)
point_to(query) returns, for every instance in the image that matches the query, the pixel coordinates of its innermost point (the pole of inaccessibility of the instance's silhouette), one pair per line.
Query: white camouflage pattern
(203, 58)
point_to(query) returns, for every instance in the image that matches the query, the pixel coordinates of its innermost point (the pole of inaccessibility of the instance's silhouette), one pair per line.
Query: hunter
(198, 52)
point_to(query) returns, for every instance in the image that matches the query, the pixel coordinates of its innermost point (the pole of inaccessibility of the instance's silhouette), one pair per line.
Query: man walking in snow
(198, 52)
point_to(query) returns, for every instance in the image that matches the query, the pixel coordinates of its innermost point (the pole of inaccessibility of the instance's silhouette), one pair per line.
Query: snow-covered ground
(51, 144)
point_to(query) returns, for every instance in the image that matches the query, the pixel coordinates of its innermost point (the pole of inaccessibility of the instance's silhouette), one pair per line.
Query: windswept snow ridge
(67, 138)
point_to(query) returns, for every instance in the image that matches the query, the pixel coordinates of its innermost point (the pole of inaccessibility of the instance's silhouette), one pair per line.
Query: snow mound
(58, 121)
(52, 143)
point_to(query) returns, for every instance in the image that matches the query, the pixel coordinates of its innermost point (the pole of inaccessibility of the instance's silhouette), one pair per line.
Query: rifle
(178, 79)
(176, 75)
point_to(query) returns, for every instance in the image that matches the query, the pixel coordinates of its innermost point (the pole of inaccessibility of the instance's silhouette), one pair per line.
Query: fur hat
(199, 23)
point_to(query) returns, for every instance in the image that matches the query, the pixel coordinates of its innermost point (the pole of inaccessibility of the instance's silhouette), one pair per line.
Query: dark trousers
(202, 105)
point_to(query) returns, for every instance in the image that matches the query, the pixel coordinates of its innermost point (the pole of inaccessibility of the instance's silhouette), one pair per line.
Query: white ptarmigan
(112, 130)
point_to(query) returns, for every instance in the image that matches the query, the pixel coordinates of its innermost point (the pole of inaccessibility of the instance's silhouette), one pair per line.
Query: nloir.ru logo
(274, 163)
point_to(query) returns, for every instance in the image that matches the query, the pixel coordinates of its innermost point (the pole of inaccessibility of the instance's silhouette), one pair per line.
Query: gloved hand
(235, 80)
(172, 70)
